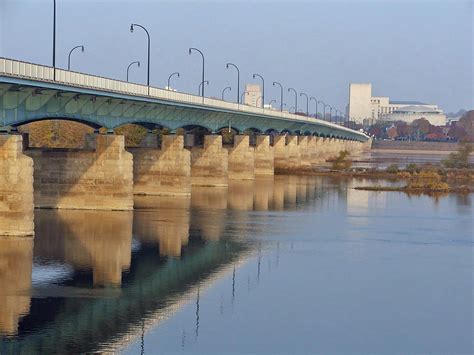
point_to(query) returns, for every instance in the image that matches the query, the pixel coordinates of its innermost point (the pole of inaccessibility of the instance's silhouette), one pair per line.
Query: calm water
(295, 265)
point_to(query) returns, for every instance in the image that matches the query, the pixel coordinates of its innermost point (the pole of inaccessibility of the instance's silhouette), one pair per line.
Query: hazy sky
(409, 50)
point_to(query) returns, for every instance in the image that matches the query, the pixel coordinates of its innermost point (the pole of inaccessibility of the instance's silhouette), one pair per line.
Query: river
(291, 265)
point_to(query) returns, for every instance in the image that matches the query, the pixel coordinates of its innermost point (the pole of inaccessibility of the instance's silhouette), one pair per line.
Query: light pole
(263, 88)
(270, 103)
(316, 102)
(307, 102)
(203, 67)
(148, 65)
(238, 78)
(169, 79)
(54, 40)
(69, 56)
(242, 96)
(128, 68)
(324, 109)
(201, 86)
(296, 98)
(224, 90)
(281, 94)
(330, 113)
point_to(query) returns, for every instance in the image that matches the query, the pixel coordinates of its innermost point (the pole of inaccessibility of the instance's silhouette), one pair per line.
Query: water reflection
(107, 277)
(16, 260)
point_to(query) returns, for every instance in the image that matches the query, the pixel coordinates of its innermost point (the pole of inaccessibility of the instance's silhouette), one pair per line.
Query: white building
(253, 95)
(367, 109)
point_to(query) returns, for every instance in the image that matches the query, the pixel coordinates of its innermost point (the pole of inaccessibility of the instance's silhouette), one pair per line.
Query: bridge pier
(165, 171)
(209, 163)
(96, 179)
(16, 188)
(304, 153)
(241, 165)
(264, 157)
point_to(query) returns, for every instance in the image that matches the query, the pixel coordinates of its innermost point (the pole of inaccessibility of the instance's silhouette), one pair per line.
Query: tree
(402, 129)
(392, 132)
(466, 122)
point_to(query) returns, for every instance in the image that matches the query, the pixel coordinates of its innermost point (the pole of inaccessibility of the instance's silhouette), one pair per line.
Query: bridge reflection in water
(101, 279)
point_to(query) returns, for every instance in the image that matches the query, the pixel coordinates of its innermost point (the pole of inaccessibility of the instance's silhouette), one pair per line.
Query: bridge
(29, 93)
(105, 174)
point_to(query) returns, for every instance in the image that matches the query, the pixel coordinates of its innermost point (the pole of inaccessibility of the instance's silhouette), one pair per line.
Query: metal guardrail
(38, 72)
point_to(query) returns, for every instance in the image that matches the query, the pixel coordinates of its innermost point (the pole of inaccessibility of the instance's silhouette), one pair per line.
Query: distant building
(253, 95)
(414, 112)
(367, 109)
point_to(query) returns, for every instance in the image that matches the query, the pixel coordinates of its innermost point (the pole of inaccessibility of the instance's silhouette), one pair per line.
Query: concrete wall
(100, 179)
(241, 159)
(264, 165)
(209, 163)
(16, 188)
(165, 171)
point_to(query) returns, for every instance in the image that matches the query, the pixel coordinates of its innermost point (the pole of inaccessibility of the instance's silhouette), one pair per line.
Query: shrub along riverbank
(454, 174)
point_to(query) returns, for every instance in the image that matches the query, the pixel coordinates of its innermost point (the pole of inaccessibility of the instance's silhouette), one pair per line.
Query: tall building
(366, 109)
(253, 95)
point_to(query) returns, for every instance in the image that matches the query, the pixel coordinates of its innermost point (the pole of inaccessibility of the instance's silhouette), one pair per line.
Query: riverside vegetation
(454, 174)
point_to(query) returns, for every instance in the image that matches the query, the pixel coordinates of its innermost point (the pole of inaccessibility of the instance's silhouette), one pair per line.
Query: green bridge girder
(23, 101)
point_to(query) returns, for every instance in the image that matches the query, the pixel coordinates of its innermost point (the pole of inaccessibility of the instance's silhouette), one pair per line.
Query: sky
(408, 50)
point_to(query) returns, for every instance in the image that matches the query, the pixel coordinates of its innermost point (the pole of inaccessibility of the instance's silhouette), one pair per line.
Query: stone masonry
(209, 163)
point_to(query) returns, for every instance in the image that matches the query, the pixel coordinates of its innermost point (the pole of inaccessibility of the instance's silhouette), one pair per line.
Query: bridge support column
(304, 153)
(16, 188)
(209, 163)
(294, 156)
(98, 179)
(165, 171)
(280, 154)
(264, 157)
(241, 159)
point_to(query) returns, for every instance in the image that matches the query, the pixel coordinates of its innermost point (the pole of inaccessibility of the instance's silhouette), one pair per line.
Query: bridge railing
(44, 73)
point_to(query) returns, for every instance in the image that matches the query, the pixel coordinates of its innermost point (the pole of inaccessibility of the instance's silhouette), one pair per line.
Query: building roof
(407, 102)
(415, 109)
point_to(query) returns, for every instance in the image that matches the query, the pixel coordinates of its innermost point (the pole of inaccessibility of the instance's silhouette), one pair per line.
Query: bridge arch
(71, 118)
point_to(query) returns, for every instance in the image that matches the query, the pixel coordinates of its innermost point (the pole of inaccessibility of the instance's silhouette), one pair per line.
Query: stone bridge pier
(161, 171)
(16, 188)
(209, 163)
(99, 177)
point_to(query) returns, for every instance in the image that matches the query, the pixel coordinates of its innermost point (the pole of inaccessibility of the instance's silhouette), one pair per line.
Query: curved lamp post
(242, 96)
(296, 98)
(330, 113)
(316, 102)
(324, 109)
(201, 86)
(281, 94)
(307, 102)
(263, 87)
(132, 26)
(169, 79)
(203, 67)
(224, 90)
(128, 68)
(270, 103)
(54, 40)
(69, 56)
(238, 78)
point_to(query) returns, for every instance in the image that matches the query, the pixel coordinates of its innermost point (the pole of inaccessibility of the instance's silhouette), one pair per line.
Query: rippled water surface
(295, 265)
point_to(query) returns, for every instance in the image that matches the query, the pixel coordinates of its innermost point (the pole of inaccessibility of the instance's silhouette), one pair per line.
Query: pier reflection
(16, 260)
(130, 270)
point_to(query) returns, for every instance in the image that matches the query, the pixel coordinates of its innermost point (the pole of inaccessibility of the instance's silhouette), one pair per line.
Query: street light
(242, 96)
(128, 68)
(225, 89)
(203, 66)
(169, 78)
(54, 40)
(330, 113)
(324, 109)
(263, 87)
(69, 56)
(296, 98)
(148, 37)
(307, 102)
(270, 103)
(202, 86)
(238, 78)
(316, 102)
(281, 94)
